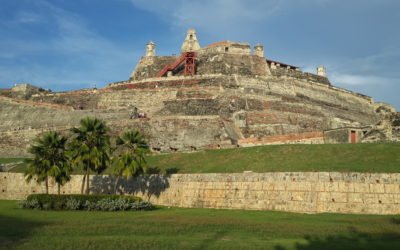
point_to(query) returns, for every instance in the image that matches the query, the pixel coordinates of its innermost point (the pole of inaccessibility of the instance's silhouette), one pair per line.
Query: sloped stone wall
(193, 112)
(319, 192)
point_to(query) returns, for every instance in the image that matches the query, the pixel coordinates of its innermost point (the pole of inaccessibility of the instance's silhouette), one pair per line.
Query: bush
(73, 204)
(32, 204)
(85, 202)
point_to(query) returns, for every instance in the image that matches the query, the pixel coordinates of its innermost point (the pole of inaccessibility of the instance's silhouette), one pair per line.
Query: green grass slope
(178, 228)
(383, 157)
(326, 157)
(10, 160)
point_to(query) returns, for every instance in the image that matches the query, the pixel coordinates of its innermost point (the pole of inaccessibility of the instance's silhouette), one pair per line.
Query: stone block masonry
(308, 192)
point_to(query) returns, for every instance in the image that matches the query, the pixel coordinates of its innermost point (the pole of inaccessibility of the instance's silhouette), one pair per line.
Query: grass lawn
(383, 157)
(18, 162)
(178, 228)
(325, 157)
(10, 160)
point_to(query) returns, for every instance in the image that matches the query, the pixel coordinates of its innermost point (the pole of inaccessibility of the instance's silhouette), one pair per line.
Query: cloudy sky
(68, 44)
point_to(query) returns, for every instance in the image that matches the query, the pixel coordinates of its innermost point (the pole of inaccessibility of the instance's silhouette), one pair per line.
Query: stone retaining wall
(317, 192)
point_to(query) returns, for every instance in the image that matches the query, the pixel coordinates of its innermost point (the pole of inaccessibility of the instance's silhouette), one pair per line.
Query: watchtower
(150, 49)
(321, 71)
(190, 44)
(259, 50)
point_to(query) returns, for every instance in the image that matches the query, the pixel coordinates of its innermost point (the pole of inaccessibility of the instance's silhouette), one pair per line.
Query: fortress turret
(191, 43)
(321, 71)
(259, 50)
(150, 49)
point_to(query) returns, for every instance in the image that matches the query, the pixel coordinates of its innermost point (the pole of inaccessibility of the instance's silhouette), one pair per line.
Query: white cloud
(82, 56)
(213, 16)
(25, 17)
(227, 16)
(349, 79)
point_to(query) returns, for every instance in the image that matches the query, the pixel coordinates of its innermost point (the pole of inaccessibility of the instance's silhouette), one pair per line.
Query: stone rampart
(178, 111)
(317, 192)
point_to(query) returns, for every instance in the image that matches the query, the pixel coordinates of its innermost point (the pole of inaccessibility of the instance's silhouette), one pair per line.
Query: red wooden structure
(189, 58)
(353, 137)
(190, 63)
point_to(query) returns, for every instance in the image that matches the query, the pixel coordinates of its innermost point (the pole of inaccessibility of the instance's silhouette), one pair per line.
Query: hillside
(329, 157)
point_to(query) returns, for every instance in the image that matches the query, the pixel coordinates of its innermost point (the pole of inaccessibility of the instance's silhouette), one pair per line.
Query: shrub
(73, 204)
(32, 204)
(85, 202)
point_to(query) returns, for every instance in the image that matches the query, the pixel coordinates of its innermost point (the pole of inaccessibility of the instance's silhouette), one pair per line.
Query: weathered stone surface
(235, 98)
(286, 191)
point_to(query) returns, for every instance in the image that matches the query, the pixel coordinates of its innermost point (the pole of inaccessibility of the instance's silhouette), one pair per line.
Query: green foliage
(130, 159)
(130, 155)
(85, 202)
(49, 159)
(32, 204)
(90, 147)
(48, 198)
(109, 204)
(73, 204)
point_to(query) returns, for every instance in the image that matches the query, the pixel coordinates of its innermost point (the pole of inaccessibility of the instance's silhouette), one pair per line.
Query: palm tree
(61, 175)
(37, 169)
(90, 148)
(130, 160)
(49, 160)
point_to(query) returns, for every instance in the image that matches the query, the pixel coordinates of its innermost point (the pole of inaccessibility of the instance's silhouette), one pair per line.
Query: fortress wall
(35, 104)
(149, 101)
(15, 143)
(319, 192)
(178, 132)
(237, 61)
(229, 64)
(279, 72)
(255, 107)
(150, 66)
(21, 122)
(304, 138)
(21, 115)
(79, 99)
(331, 102)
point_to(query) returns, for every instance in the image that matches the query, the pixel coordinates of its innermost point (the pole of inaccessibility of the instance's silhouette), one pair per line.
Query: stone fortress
(218, 96)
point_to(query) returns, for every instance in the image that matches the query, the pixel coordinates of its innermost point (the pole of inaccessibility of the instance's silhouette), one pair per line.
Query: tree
(130, 159)
(49, 160)
(90, 148)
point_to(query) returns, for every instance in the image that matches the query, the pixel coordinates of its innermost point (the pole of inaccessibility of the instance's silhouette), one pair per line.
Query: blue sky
(70, 44)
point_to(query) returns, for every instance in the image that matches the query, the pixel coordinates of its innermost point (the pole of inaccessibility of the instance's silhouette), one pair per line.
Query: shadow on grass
(352, 240)
(14, 231)
(210, 241)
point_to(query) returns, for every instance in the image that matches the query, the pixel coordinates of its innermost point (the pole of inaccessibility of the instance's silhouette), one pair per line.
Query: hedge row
(85, 202)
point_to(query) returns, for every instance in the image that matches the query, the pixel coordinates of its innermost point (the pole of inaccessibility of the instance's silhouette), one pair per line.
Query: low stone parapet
(303, 192)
